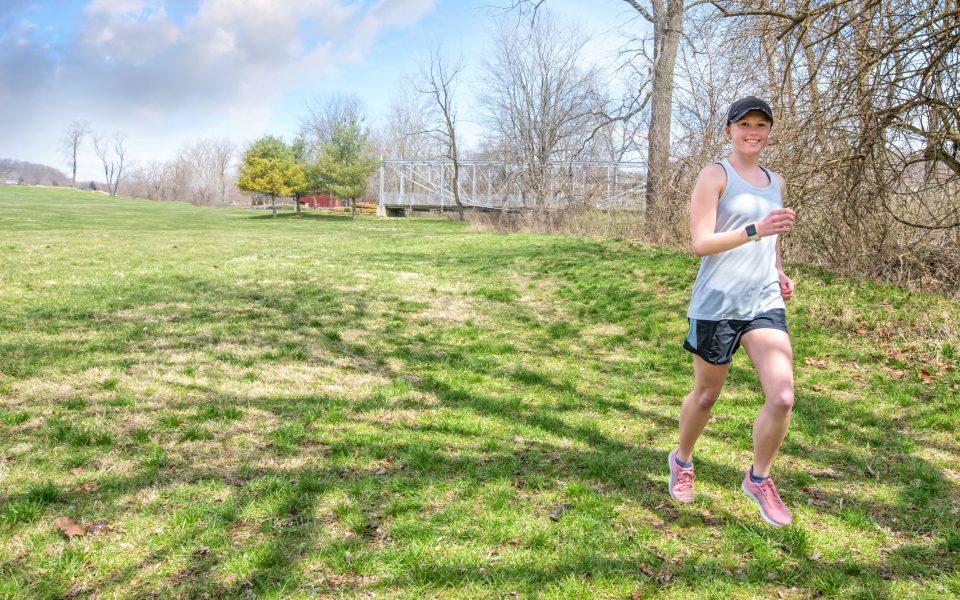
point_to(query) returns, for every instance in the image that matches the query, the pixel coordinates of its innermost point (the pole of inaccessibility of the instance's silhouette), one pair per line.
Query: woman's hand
(778, 221)
(787, 285)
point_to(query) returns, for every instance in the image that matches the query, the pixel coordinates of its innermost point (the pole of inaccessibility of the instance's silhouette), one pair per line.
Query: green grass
(314, 406)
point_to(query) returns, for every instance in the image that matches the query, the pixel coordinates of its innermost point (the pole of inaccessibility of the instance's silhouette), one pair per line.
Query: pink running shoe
(681, 480)
(772, 508)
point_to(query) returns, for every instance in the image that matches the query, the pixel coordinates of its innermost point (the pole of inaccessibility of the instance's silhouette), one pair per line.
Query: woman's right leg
(695, 413)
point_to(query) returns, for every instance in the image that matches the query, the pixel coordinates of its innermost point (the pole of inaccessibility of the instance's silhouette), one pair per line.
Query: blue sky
(166, 72)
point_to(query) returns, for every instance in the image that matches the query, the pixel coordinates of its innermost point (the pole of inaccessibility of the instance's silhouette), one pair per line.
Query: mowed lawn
(239, 406)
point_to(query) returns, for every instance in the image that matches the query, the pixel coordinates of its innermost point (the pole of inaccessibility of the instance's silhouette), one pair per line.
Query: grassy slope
(324, 406)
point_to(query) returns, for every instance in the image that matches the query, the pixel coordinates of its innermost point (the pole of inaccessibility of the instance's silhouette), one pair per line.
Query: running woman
(736, 217)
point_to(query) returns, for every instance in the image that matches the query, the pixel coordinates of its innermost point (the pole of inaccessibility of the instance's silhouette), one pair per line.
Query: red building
(320, 200)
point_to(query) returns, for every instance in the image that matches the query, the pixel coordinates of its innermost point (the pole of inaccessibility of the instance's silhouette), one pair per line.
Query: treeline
(867, 128)
(28, 173)
(867, 131)
(203, 172)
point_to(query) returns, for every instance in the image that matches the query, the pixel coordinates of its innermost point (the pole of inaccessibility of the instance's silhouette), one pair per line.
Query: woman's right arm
(703, 216)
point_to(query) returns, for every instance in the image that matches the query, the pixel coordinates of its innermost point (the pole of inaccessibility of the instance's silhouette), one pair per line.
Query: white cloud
(219, 69)
(226, 48)
(118, 8)
(135, 36)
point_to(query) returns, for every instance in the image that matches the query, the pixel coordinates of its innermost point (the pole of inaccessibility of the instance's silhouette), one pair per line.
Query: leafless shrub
(201, 173)
(869, 132)
(112, 154)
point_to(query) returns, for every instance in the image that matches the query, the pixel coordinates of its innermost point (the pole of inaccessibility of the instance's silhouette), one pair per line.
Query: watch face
(751, 230)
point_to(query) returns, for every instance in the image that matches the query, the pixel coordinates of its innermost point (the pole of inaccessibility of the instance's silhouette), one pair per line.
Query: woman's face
(750, 134)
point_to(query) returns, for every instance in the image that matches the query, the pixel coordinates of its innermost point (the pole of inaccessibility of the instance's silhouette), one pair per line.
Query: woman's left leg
(772, 355)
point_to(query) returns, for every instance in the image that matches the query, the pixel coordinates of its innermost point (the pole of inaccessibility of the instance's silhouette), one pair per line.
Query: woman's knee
(706, 397)
(782, 400)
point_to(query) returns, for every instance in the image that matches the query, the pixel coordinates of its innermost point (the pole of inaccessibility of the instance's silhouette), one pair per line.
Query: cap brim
(743, 113)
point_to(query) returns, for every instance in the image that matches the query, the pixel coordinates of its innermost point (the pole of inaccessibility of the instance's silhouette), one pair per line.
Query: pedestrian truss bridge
(498, 186)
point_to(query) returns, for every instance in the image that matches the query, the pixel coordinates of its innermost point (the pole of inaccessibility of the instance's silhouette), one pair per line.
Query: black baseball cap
(745, 105)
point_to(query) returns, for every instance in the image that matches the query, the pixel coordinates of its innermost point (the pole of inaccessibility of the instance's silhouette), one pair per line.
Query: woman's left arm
(787, 285)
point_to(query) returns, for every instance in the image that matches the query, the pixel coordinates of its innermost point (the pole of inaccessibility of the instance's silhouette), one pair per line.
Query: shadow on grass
(382, 517)
(306, 216)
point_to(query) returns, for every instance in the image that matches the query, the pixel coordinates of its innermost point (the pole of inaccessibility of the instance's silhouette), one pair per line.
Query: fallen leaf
(895, 373)
(925, 376)
(78, 470)
(90, 486)
(98, 526)
(556, 514)
(69, 527)
(814, 362)
(815, 555)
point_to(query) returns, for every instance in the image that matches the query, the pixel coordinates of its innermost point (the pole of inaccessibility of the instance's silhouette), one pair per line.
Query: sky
(168, 72)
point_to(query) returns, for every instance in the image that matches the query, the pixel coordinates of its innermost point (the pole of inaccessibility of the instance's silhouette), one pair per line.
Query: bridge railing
(492, 185)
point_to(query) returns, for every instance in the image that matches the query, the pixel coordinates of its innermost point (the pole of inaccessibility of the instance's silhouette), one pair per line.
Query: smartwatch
(752, 232)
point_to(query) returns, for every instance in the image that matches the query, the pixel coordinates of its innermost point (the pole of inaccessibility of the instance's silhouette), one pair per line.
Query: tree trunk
(296, 203)
(456, 185)
(667, 27)
(273, 205)
(455, 157)
(353, 208)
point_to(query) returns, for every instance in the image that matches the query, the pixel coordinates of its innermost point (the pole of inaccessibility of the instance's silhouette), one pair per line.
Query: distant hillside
(29, 173)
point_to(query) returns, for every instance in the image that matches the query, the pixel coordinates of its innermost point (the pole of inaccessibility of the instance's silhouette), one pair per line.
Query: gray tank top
(740, 283)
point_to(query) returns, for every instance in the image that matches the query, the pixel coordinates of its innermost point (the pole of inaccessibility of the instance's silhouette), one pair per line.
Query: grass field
(240, 406)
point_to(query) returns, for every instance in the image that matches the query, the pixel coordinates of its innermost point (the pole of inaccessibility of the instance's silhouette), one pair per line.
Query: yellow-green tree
(269, 168)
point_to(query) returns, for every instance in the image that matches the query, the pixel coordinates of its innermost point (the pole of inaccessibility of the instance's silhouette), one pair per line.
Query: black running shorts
(716, 341)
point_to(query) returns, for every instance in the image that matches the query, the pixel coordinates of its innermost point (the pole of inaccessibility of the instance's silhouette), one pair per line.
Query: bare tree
(538, 100)
(867, 98)
(437, 81)
(667, 18)
(323, 115)
(617, 133)
(154, 175)
(405, 134)
(72, 139)
(222, 153)
(201, 173)
(112, 154)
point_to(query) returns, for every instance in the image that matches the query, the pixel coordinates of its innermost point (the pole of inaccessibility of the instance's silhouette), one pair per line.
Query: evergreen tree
(343, 166)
